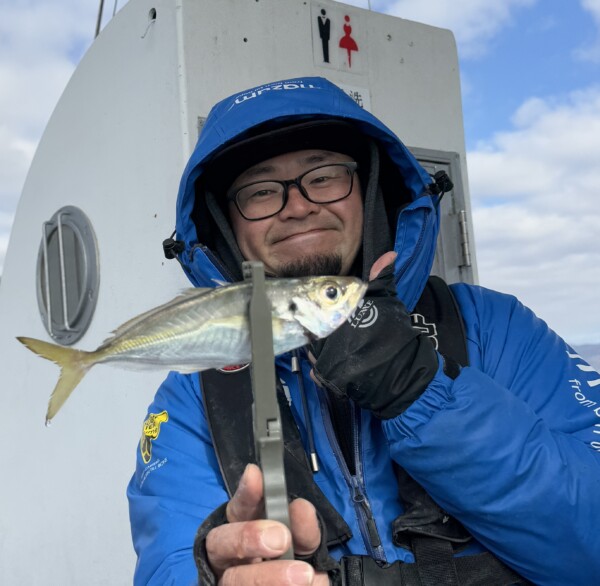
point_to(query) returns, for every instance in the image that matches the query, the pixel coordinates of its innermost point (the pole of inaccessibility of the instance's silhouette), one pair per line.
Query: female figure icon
(347, 42)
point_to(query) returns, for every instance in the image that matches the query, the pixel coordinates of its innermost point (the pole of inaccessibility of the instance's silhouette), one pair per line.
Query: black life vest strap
(435, 561)
(228, 405)
(476, 570)
(437, 315)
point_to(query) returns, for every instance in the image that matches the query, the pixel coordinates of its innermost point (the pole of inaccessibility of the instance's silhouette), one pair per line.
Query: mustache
(279, 235)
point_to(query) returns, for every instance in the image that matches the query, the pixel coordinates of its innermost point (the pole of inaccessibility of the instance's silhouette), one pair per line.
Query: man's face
(303, 230)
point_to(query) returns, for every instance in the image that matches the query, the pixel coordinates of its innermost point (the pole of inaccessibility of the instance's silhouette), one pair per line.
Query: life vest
(430, 533)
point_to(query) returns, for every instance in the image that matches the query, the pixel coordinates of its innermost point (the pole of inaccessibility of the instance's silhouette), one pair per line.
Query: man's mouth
(304, 233)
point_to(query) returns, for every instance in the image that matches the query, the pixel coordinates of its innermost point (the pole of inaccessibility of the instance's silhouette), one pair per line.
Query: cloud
(40, 44)
(591, 52)
(592, 6)
(5, 223)
(473, 22)
(535, 207)
(15, 155)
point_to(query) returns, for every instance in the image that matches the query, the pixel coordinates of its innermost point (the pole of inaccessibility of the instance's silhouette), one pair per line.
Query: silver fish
(208, 328)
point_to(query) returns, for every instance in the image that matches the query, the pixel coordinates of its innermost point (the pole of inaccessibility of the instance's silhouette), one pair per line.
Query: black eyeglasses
(324, 184)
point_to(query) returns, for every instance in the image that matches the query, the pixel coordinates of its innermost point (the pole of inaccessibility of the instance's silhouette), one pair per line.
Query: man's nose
(297, 205)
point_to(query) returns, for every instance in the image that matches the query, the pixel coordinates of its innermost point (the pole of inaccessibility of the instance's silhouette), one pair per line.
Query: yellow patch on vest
(150, 433)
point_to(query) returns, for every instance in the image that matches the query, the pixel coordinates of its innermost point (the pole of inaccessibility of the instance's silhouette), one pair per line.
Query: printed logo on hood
(150, 432)
(288, 85)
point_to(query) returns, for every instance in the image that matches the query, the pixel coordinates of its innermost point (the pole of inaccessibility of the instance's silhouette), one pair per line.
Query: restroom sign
(339, 38)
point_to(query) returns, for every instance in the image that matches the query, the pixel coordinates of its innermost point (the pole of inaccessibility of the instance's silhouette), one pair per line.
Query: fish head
(322, 304)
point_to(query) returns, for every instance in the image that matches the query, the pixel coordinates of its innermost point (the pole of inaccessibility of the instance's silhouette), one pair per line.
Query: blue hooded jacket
(511, 447)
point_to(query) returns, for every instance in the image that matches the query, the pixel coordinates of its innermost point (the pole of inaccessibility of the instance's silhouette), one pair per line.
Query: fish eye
(331, 293)
(293, 307)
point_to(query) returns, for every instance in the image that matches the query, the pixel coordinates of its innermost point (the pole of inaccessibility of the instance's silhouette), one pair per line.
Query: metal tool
(268, 433)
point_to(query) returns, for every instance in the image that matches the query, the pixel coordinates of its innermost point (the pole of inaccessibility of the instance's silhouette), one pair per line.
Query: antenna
(100, 10)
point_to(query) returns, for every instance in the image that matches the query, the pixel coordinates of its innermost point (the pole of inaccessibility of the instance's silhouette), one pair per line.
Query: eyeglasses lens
(324, 184)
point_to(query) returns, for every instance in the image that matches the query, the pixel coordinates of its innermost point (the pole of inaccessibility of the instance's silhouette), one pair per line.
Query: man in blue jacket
(428, 472)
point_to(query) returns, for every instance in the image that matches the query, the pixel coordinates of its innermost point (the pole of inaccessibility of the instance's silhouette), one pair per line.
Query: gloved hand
(235, 545)
(378, 359)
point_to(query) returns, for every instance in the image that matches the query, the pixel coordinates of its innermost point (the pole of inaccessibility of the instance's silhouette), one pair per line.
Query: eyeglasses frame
(351, 166)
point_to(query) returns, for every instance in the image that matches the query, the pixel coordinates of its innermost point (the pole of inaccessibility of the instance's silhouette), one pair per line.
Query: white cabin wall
(113, 147)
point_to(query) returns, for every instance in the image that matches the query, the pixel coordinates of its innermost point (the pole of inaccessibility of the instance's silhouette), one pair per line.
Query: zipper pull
(314, 462)
(373, 533)
(359, 497)
(295, 364)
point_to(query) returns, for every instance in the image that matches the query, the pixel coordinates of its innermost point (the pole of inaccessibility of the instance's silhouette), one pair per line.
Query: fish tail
(73, 366)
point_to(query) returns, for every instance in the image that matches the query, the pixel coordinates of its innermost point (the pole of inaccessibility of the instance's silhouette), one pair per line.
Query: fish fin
(185, 294)
(73, 366)
(191, 292)
(220, 283)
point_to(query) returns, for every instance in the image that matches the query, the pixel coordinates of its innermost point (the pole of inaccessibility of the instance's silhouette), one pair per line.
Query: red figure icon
(347, 42)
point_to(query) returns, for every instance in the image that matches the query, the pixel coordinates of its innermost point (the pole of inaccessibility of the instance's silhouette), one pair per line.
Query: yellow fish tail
(73, 366)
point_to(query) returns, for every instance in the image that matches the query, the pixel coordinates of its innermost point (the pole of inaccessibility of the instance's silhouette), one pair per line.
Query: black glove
(319, 559)
(378, 359)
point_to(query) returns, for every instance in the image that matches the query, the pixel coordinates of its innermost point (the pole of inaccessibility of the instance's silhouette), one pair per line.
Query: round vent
(67, 275)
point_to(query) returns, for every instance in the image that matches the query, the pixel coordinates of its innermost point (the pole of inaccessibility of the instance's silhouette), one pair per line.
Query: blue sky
(530, 73)
(534, 55)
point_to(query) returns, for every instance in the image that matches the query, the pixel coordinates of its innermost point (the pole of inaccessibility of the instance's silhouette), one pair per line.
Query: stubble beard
(316, 265)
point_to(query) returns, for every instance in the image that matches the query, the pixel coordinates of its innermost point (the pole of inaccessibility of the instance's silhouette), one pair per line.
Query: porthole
(67, 275)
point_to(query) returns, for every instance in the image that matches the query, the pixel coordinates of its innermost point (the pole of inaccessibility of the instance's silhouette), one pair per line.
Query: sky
(530, 77)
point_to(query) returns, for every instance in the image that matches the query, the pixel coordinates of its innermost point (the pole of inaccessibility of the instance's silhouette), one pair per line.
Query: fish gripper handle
(268, 433)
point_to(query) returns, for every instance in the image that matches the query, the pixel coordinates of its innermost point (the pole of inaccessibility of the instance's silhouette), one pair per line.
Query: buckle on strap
(434, 566)
(359, 570)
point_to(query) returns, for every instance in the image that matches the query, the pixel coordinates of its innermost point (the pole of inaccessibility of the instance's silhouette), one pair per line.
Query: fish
(208, 328)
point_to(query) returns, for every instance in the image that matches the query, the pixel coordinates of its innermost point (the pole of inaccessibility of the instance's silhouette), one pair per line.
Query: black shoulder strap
(228, 403)
(438, 316)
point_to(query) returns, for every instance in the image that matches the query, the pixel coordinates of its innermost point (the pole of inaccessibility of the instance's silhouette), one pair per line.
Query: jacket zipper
(355, 482)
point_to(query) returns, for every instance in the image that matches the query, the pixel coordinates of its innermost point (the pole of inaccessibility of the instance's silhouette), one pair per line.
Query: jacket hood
(400, 212)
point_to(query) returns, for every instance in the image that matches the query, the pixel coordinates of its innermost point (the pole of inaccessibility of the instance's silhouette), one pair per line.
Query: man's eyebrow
(318, 157)
(266, 169)
(259, 170)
